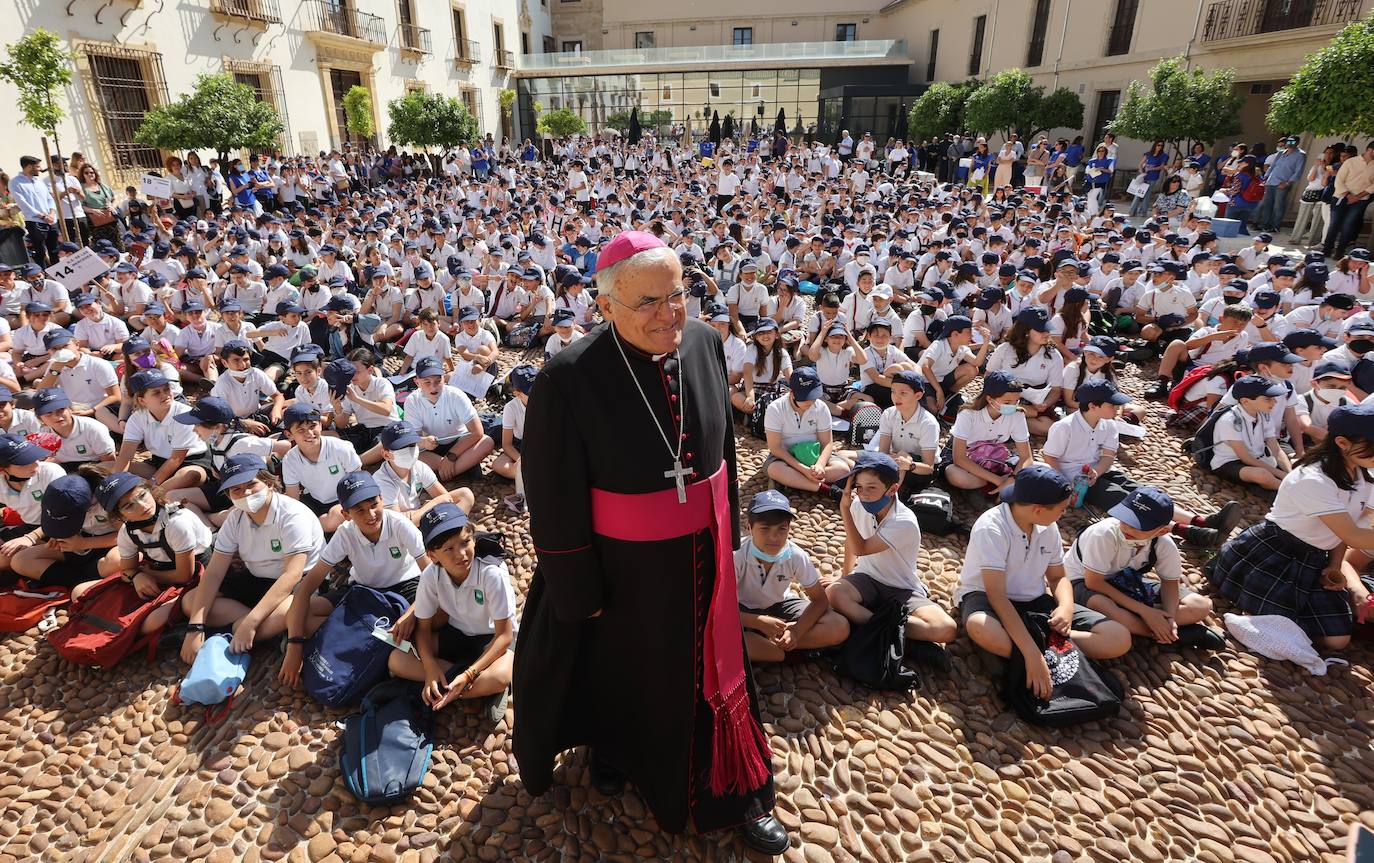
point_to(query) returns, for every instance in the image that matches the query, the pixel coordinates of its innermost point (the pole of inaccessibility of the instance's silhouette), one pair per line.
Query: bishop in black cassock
(618, 636)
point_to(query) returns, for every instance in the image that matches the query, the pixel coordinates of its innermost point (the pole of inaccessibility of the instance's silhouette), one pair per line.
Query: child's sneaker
(494, 709)
(515, 503)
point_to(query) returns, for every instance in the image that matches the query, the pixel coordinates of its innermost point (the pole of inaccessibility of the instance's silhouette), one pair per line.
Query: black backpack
(874, 651)
(1082, 690)
(387, 747)
(934, 510)
(762, 399)
(863, 426)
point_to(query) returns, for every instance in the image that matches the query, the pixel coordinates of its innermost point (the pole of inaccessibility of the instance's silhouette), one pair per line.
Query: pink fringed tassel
(740, 754)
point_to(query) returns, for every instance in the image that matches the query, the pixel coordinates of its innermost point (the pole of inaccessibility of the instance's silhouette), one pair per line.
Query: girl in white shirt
(178, 459)
(986, 434)
(834, 351)
(765, 370)
(1030, 357)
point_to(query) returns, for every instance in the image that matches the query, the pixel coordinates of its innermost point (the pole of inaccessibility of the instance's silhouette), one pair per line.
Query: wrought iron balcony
(466, 52)
(334, 18)
(1232, 19)
(262, 11)
(504, 59)
(414, 39)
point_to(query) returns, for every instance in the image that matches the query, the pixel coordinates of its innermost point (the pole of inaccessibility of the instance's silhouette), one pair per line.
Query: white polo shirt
(760, 585)
(180, 527)
(1102, 548)
(244, 396)
(781, 416)
(995, 542)
(89, 441)
(27, 342)
(320, 478)
(24, 422)
(751, 299)
(1237, 425)
(513, 418)
(405, 494)
(894, 566)
(446, 417)
(1044, 368)
(419, 345)
(1174, 300)
(108, 330)
(165, 437)
(385, 563)
(910, 436)
(1075, 444)
(317, 397)
(474, 606)
(941, 359)
(238, 443)
(27, 500)
(1307, 494)
(283, 340)
(86, 382)
(972, 426)
(478, 341)
(378, 389)
(290, 528)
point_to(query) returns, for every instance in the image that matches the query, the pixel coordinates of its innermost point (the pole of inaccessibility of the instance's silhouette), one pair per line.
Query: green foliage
(505, 97)
(561, 124)
(1181, 106)
(940, 110)
(39, 67)
(1012, 102)
(1061, 109)
(654, 119)
(619, 121)
(430, 120)
(1330, 93)
(219, 114)
(357, 105)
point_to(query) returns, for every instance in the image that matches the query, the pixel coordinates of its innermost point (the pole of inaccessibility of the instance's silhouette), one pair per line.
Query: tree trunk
(52, 183)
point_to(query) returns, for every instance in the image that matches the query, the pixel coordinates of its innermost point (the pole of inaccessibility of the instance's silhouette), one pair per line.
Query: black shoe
(606, 778)
(837, 491)
(1139, 355)
(172, 636)
(1224, 520)
(765, 835)
(1201, 637)
(1159, 392)
(929, 654)
(1202, 537)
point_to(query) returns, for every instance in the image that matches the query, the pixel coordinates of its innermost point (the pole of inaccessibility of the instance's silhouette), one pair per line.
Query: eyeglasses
(675, 300)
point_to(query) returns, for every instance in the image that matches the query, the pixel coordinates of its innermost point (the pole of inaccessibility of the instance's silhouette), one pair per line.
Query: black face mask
(929, 310)
(1231, 301)
(1362, 346)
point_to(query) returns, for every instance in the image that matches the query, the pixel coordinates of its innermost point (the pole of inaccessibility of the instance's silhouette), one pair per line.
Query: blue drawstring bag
(214, 677)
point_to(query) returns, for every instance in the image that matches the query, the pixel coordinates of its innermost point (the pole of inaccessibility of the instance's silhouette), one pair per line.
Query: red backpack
(24, 606)
(1254, 190)
(105, 624)
(1192, 376)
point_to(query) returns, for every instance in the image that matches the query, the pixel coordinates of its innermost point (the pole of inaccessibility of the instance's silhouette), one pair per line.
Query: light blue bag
(214, 677)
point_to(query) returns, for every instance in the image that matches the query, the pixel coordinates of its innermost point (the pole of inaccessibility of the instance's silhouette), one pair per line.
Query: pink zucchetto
(625, 245)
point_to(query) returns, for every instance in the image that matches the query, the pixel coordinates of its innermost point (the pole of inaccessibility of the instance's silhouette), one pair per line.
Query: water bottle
(1080, 486)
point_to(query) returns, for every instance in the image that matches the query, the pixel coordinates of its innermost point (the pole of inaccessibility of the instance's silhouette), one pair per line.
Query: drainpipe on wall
(1197, 23)
(1063, 35)
(991, 40)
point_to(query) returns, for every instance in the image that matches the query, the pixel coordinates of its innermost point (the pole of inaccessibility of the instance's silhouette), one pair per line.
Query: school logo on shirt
(276, 545)
(395, 552)
(333, 468)
(37, 495)
(478, 595)
(81, 449)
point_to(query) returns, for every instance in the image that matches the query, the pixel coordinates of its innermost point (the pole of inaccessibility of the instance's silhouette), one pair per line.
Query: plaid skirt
(1267, 570)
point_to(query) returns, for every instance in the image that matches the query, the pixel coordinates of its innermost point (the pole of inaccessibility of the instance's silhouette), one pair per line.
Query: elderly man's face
(641, 309)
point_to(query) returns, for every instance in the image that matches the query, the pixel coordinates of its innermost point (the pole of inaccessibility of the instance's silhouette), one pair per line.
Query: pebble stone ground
(1216, 757)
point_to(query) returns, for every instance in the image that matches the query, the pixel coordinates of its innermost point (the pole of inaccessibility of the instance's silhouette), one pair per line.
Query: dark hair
(364, 356)
(1332, 461)
(1074, 315)
(1317, 289)
(776, 352)
(467, 531)
(1019, 339)
(1238, 312)
(771, 518)
(1108, 371)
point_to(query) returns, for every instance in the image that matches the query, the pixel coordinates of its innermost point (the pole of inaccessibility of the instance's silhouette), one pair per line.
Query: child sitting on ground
(311, 469)
(507, 463)
(1244, 449)
(802, 452)
(405, 479)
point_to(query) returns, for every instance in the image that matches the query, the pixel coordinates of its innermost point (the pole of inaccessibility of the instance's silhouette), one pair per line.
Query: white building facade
(302, 56)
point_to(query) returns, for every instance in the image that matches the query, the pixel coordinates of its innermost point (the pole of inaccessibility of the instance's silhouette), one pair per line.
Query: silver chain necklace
(678, 472)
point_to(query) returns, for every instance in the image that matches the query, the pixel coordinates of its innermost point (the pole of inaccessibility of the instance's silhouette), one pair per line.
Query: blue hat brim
(242, 477)
(359, 495)
(450, 523)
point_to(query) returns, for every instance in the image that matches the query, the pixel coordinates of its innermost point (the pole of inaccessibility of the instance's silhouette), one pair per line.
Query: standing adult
(34, 197)
(1354, 185)
(631, 640)
(1282, 173)
(12, 251)
(1151, 169)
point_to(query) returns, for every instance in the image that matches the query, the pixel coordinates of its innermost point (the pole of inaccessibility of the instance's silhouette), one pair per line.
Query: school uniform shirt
(1075, 444)
(765, 373)
(751, 299)
(941, 359)
(317, 397)
(181, 529)
(223, 334)
(27, 500)
(556, 344)
(1236, 425)
(284, 340)
(857, 310)
(378, 389)
(878, 361)
(320, 478)
(1305, 318)
(169, 332)
(290, 528)
(419, 345)
(406, 494)
(998, 321)
(833, 368)
(24, 422)
(1044, 368)
(195, 344)
(781, 416)
(1319, 408)
(251, 295)
(513, 418)
(894, 566)
(478, 341)
(238, 443)
(911, 436)
(165, 437)
(244, 396)
(388, 561)
(28, 342)
(972, 426)
(108, 330)
(1307, 494)
(87, 381)
(1074, 369)
(1173, 300)
(444, 418)
(760, 587)
(582, 306)
(89, 441)
(474, 606)
(1102, 548)
(997, 543)
(1275, 416)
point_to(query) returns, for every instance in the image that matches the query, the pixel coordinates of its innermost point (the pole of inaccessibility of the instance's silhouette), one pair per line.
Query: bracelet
(195, 627)
(297, 639)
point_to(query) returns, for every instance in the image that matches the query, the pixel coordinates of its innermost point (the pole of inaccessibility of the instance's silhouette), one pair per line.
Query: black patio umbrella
(727, 130)
(753, 127)
(635, 131)
(900, 131)
(780, 124)
(715, 127)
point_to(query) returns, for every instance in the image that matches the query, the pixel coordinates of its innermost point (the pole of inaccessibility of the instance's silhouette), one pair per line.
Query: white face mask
(1133, 543)
(239, 376)
(405, 458)
(1331, 394)
(63, 356)
(253, 502)
(336, 290)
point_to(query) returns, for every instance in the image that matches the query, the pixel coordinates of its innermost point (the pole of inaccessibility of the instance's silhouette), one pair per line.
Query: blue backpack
(344, 659)
(214, 677)
(387, 747)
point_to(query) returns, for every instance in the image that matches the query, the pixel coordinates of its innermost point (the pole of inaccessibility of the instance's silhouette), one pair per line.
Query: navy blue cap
(563, 318)
(1265, 299)
(428, 366)
(65, 503)
(1146, 508)
(989, 297)
(1272, 352)
(1104, 345)
(147, 379)
(522, 377)
(49, 400)
(307, 353)
(85, 300)
(1038, 484)
(5, 396)
(113, 488)
(1171, 321)
(208, 410)
(229, 305)
(440, 521)
(399, 435)
(1351, 421)
(125, 267)
(1092, 392)
(339, 374)
(286, 307)
(763, 325)
(1254, 386)
(18, 449)
(240, 470)
(236, 346)
(56, 338)
(469, 313)
(37, 308)
(154, 309)
(357, 487)
(955, 323)
(274, 271)
(1076, 295)
(880, 323)
(136, 345)
(805, 384)
(299, 412)
(1330, 369)
(999, 383)
(911, 378)
(1306, 339)
(881, 462)
(770, 501)
(1034, 317)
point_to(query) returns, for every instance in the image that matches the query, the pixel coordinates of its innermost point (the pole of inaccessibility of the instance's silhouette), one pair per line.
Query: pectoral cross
(677, 473)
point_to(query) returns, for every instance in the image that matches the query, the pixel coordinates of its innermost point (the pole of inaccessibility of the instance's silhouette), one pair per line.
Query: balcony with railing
(331, 20)
(258, 11)
(466, 52)
(1233, 19)
(869, 52)
(504, 59)
(413, 39)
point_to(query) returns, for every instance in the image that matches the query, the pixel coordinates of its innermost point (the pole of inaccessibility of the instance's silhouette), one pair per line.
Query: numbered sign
(155, 187)
(77, 269)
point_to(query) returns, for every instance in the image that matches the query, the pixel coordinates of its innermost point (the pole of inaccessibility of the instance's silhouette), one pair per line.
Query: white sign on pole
(77, 268)
(155, 187)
